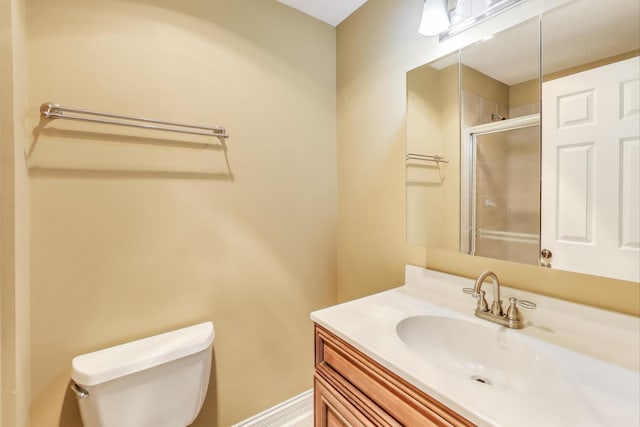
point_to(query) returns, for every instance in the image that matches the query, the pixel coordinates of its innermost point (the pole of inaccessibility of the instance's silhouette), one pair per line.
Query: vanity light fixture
(437, 20)
(434, 18)
(469, 8)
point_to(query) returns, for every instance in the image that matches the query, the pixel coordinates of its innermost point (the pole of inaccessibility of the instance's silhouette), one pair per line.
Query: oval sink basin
(488, 355)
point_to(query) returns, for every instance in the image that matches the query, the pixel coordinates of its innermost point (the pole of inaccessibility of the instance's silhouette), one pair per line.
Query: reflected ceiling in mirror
(606, 29)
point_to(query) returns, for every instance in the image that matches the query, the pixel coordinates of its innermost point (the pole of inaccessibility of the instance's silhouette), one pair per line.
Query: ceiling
(332, 12)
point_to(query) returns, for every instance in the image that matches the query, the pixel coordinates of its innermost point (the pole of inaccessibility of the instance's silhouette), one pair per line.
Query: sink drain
(479, 379)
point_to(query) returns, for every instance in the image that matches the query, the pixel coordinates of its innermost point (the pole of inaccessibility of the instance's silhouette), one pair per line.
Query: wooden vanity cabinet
(350, 389)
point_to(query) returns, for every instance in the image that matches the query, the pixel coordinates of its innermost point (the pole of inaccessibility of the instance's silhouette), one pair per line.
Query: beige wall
(134, 233)
(377, 45)
(7, 250)
(432, 122)
(371, 69)
(14, 219)
(487, 87)
(524, 93)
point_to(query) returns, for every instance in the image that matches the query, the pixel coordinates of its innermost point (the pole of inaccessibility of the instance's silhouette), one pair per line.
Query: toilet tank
(159, 381)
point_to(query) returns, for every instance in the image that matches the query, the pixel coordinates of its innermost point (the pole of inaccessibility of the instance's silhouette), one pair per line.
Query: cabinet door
(375, 392)
(331, 410)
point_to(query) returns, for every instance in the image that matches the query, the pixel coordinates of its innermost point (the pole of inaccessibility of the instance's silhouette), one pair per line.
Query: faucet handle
(512, 311)
(524, 303)
(482, 302)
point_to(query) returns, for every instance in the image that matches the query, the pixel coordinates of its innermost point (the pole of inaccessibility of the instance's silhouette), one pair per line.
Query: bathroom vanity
(417, 355)
(351, 389)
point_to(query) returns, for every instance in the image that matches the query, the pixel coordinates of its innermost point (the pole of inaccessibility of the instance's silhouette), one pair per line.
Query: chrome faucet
(510, 319)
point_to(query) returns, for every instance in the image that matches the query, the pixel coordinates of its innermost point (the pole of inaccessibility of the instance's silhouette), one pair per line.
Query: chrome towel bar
(426, 157)
(56, 111)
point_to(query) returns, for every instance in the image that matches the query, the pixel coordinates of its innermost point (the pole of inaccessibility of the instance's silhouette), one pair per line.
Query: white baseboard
(285, 414)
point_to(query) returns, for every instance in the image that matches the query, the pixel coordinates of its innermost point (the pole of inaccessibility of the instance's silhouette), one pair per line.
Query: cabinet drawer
(333, 410)
(337, 361)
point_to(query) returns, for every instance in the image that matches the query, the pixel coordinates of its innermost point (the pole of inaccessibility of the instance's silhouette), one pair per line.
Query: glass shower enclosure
(501, 190)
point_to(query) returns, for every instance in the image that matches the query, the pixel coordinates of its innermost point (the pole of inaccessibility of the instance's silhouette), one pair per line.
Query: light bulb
(434, 18)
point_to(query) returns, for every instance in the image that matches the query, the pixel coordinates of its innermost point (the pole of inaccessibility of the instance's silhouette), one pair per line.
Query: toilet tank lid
(124, 359)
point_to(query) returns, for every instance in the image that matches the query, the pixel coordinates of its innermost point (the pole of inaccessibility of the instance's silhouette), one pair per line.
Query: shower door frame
(468, 173)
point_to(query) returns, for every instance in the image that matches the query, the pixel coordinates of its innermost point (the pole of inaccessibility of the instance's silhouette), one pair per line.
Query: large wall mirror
(525, 146)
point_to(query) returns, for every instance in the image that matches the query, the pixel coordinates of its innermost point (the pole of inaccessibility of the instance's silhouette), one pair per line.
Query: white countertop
(595, 353)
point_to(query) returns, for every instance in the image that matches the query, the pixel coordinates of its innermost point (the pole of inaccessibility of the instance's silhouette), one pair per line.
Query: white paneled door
(590, 171)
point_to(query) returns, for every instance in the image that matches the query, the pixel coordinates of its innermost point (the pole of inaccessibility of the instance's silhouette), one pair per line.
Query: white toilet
(160, 381)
